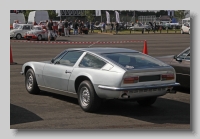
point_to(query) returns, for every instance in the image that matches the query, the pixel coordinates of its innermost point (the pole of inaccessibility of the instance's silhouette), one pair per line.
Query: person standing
(116, 27)
(35, 23)
(50, 30)
(60, 28)
(65, 28)
(76, 26)
(15, 24)
(104, 26)
(112, 26)
(92, 27)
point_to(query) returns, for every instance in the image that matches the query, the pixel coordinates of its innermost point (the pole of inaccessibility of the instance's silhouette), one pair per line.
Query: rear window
(134, 60)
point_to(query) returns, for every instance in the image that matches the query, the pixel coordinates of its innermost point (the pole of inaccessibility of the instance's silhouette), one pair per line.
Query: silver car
(20, 31)
(94, 74)
(140, 27)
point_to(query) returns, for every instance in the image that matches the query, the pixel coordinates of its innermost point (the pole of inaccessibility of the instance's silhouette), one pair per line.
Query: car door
(25, 29)
(57, 74)
(182, 66)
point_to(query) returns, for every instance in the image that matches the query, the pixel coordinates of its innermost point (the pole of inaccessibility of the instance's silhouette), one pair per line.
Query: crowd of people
(65, 27)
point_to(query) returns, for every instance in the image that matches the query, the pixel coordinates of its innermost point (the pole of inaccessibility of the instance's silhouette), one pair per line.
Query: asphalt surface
(52, 111)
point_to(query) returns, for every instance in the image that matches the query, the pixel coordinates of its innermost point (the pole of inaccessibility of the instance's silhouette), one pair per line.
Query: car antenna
(93, 44)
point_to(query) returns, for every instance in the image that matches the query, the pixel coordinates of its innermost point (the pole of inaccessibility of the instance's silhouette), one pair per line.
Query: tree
(89, 15)
(180, 14)
(52, 14)
(26, 14)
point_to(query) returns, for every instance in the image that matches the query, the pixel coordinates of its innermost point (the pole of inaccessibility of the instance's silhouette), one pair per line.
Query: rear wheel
(87, 97)
(182, 31)
(147, 101)
(39, 37)
(31, 83)
(189, 32)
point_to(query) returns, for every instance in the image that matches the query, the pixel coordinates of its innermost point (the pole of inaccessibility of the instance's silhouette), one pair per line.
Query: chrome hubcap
(18, 36)
(39, 37)
(85, 97)
(30, 81)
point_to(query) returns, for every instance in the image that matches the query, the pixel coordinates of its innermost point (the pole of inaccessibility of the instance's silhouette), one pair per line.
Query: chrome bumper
(138, 87)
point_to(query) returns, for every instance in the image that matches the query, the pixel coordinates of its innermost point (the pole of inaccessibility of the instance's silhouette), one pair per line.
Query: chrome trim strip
(22, 73)
(137, 87)
(183, 74)
(57, 91)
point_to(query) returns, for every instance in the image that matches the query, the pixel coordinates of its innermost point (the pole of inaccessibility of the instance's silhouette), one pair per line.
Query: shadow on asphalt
(162, 111)
(183, 90)
(20, 115)
(60, 97)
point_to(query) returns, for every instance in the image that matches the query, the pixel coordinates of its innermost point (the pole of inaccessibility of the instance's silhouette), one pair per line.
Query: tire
(39, 37)
(18, 36)
(11, 37)
(189, 32)
(31, 83)
(182, 31)
(147, 101)
(87, 97)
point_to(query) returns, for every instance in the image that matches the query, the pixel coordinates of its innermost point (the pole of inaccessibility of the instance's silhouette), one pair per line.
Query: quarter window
(185, 55)
(70, 58)
(90, 61)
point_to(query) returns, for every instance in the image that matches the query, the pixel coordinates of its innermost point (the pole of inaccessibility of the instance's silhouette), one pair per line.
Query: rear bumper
(138, 87)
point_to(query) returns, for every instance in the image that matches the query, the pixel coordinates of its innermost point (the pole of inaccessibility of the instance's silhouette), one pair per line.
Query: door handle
(67, 71)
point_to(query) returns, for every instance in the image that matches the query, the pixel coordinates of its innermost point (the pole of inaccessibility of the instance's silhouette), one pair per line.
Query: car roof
(101, 50)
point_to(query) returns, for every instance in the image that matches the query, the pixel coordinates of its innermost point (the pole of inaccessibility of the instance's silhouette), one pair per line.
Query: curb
(106, 33)
(57, 42)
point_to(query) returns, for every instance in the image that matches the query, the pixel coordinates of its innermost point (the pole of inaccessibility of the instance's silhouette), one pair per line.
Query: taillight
(129, 80)
(168, 77)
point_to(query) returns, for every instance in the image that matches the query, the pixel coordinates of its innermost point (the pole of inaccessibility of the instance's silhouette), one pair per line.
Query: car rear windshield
(134, 60)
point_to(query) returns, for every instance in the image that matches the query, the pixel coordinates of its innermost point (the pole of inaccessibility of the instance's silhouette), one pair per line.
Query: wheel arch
(80, 79)
(27, 66)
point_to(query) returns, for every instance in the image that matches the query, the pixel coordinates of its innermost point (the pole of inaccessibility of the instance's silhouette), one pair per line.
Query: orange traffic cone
(11, 58)
(145, 48)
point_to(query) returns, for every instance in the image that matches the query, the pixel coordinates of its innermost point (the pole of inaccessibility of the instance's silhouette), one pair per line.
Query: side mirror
(175, 56)
(178, 59)
(52, 60)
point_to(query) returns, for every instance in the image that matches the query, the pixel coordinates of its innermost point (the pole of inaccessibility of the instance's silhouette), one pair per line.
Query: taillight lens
(129, 80)
(168, 77)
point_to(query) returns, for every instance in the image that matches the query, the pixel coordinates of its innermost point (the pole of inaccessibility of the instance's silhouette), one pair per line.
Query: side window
(58, 57)
(90, 61)
(185, 55)
(26, 28)
(70, 58)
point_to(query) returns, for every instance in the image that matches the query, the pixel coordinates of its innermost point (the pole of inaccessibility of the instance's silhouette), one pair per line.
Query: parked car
(181, 63)
(94, 74)
(20, 31)
(140, 27)
(185, 28)
(99, 26)
(122, 26)
(37, 33)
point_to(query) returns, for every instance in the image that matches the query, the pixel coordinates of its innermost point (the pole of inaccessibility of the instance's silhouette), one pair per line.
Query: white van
(20, 17)
(37, 16)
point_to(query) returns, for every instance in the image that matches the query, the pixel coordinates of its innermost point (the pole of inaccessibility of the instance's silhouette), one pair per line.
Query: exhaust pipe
(124, 95)
(171, 91)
